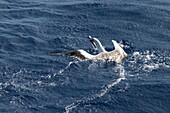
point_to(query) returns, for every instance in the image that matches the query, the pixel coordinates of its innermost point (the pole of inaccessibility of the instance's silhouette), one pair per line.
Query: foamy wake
(67, 67)
(119, 68)
(138, 62)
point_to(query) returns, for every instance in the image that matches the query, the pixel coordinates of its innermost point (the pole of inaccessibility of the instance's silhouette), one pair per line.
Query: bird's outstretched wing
(78, 54)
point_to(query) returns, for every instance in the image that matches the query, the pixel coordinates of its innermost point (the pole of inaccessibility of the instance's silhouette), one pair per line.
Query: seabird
(116, 55)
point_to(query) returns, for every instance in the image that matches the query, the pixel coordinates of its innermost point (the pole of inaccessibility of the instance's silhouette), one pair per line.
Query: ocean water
(31, 81)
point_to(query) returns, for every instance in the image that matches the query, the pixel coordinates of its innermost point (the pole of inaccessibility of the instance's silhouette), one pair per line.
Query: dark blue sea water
(31, 81)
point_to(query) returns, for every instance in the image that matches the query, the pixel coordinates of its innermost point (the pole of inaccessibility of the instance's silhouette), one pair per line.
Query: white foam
(62, 70)
(139, 62)
(150, 67)
(109, 86)
(118, 68)
(70, 107)
(147, 61)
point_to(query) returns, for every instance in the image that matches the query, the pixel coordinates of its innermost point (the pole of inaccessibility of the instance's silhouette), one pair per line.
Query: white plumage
(116, 55)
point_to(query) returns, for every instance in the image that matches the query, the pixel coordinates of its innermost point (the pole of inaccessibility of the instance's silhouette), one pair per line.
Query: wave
(121, 72)
(138, 64)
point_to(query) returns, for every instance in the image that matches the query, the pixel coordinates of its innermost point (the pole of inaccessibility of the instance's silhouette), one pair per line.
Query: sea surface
(31, 81)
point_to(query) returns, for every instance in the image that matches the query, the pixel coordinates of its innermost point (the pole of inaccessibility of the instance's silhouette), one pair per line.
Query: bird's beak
(89, 37)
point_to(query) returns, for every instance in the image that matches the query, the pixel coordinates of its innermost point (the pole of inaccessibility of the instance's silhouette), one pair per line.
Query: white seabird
(116, 55)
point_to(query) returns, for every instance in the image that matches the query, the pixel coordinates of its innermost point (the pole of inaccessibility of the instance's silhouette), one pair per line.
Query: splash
(147, 61)
(62, 70)
(67, 67)
(139, 63)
